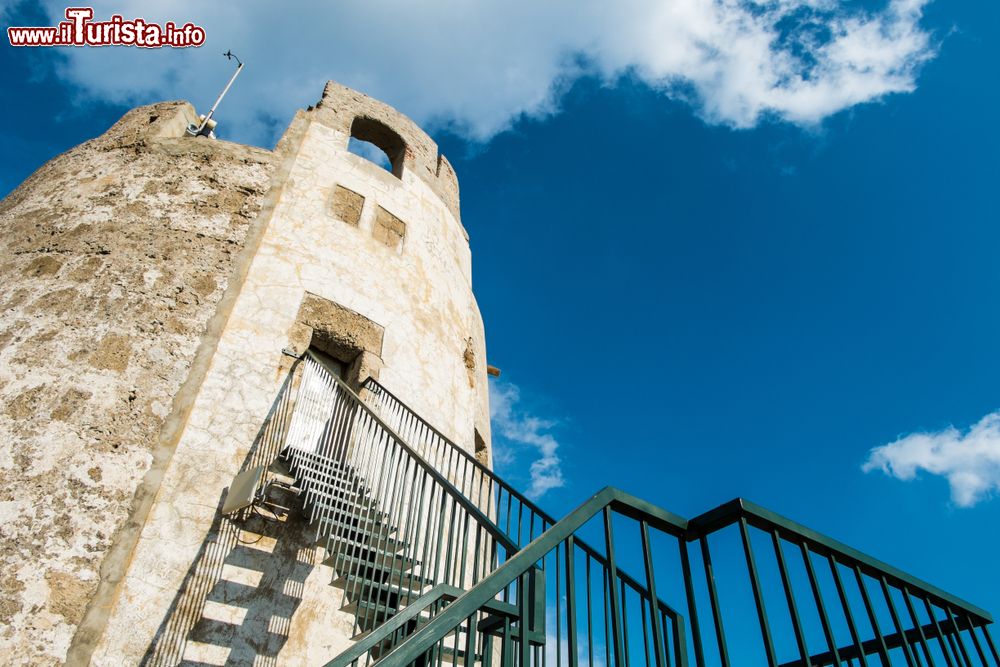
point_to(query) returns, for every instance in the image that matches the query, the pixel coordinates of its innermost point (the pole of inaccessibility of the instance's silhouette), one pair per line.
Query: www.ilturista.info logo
(80, 30)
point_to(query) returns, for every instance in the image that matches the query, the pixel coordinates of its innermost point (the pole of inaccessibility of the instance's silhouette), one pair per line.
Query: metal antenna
(205, 122)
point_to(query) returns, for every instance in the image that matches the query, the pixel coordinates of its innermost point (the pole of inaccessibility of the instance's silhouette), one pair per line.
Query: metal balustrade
(446, 563)
(393, 523)
(520, 518)
(754, 588)
(390, 522)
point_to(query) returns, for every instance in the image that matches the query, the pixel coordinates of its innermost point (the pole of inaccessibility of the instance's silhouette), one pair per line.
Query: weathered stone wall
(409, 275)
(153, 283)
(113, 258)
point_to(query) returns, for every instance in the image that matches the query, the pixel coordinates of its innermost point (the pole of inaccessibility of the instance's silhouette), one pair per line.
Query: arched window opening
(370, 152)
(377, 142)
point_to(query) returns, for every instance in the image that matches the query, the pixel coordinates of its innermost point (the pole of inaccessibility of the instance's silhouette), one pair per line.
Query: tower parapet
(409, 148)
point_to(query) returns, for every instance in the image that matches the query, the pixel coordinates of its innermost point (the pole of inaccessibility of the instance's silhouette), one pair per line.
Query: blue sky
(697, 286)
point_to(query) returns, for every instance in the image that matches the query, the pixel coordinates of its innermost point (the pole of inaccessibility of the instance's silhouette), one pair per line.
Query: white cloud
(514, 428)
(970, 461)
(479, 66)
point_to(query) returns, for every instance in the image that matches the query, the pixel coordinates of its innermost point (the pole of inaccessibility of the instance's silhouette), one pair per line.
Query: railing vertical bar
(590, 614)
(993, 647)
(680, 642)
(450, 553)
(645, 631)
(379, 529)
(524, 609)
(957, 633)
(946, 650)
(848, 614)
(616, 618)
(421, 532)
(385, 528)
(699, 655)
(907, 647)
(608, 639)
(872, 618)
(824, 619)
(758, 595)
(624, 626)
(465, 553)
(406, 496)
(558, 604)
(975, 640)
(793, 609)
(571, 638)
(413, 523)
(908, 601)
(365, 520)
(659, 651)
(713, 597)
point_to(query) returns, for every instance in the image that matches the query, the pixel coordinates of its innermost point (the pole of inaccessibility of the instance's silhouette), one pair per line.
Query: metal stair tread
(338, 531)
(381, 565)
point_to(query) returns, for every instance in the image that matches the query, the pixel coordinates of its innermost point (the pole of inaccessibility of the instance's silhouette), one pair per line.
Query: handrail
(948, 633)
(423, 639)
(378, 389)
(360, 477)
(384, 632)
(446, 484)
(394, 624)
(730, 512)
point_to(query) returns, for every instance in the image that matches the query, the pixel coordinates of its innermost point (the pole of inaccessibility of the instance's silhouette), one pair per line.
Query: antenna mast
(207, 124)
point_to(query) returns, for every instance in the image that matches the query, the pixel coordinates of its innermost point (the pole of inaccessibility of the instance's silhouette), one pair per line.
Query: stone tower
(158, 288)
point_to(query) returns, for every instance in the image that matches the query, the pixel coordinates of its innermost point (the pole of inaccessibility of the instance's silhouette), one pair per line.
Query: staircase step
(374, 561)
(345, 512)
(352, 568)
(319, 469)
(369, 553)
(338, 498)
(368, 610)
(401, 584)
(322, 483)
(349, 532)
(402, 589)
(280, 472)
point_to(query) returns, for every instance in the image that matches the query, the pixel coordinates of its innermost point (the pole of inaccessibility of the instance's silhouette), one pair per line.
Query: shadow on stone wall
(236, 604)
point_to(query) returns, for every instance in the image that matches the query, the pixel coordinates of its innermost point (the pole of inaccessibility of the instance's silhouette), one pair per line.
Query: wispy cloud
(515, 429)
(477, 67)
(970, 461)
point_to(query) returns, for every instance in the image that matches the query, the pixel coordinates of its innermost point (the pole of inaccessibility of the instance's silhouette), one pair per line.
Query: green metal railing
(394, 523)
(520, 518)
(755, 588)
(391, 523)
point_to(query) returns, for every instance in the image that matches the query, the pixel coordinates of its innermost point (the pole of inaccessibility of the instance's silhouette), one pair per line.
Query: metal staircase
(443, 562)
(391, 524)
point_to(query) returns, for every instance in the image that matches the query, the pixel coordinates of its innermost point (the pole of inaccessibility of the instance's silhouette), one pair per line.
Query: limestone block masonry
(152, 282)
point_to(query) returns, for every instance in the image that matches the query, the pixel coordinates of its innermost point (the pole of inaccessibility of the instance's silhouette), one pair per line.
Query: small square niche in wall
(346, 205)
(389, 229)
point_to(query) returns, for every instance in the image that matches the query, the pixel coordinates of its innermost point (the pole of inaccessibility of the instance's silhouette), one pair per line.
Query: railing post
(713, 598)
(793, 609)
(758, 595)
(647, 557)
(699, 655)
(571, 638)
(616, 619)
